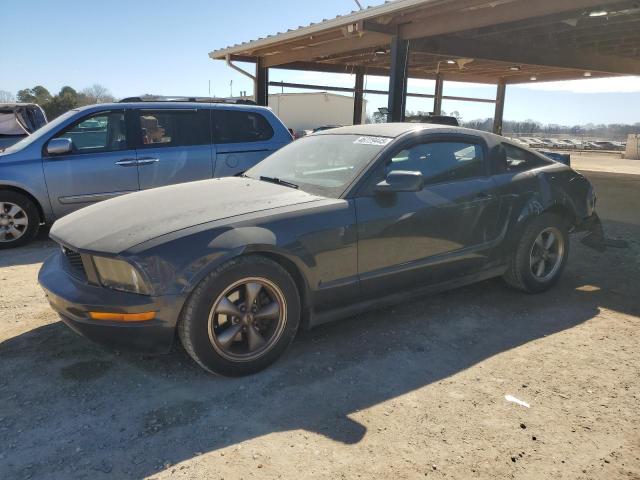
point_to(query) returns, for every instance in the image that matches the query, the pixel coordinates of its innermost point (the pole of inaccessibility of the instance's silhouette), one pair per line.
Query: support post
(261, 93)
(437, 100)
(497, 117)
(358, 97)
(398, 79)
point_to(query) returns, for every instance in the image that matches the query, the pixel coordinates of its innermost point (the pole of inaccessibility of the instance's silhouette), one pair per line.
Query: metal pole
(437, 100)
(358, 97)
(497, 118)
(261, 94)
(398, 78)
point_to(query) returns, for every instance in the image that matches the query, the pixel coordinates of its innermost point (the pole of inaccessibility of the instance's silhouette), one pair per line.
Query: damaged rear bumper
(594, 233)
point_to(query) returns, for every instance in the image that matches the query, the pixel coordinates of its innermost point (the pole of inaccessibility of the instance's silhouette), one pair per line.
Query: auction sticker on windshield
(381, 141)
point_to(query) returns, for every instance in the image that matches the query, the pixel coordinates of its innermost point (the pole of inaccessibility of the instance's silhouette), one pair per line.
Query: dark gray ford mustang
(335, 223)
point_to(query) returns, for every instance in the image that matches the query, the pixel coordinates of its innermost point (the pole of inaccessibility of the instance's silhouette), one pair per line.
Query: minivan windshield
(320, 164)
(40, 132)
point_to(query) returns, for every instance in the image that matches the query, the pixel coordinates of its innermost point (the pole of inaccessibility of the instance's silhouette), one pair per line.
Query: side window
(519, 160)
(441, 161)
(236, 126)
(101, 132)
(174, 128)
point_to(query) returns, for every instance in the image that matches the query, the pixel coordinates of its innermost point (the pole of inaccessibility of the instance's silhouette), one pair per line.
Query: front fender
(178, 266)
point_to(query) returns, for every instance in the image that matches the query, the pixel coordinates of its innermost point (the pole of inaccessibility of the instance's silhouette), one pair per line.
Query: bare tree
(97, 93)
(6, 97)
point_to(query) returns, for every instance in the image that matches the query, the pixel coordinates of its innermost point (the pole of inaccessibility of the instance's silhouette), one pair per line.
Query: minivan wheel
(19, 219)
(241, 317)
(540, 256)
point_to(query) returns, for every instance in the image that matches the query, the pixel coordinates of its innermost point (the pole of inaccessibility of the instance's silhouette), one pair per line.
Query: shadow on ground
(74, 409)
(34, 252)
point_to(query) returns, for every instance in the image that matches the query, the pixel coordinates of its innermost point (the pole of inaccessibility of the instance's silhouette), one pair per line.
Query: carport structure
(498, 42)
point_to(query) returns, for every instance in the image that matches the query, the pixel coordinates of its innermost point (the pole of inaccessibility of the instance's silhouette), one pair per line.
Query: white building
(308, 110)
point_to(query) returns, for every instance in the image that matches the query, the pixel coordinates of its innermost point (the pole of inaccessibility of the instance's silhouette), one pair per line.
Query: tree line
(66, 99)
(614, 131)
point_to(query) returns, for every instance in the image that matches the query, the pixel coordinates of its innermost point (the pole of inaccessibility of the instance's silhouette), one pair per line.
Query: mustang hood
(115, 225)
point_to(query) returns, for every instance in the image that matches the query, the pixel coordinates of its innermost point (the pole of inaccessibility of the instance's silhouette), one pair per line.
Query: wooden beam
(398, 79)
(358, 97)
(261, 93)
(347, 44)
(499, 113)
(526, 54)
(437, 101)
(328, 88)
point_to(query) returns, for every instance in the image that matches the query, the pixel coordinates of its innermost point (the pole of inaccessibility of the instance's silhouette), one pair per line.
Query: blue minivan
(102, 151)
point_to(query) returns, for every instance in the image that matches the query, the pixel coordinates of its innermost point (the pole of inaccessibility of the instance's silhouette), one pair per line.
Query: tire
(17, 214)
(524, 268)
(209, 335)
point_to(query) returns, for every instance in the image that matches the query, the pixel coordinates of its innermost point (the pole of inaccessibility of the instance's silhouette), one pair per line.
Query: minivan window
(441, 161)
(101, 132)
(174, 128)
(235, 126)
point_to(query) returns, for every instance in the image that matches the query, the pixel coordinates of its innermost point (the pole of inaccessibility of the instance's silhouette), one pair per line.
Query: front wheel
(19, 219)
(241, 317)
(540, 256)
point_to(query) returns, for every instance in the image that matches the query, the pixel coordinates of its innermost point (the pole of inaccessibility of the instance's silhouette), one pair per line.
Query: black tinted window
(235, 126)
(519, 160)
(441, 161)
(174, 128)
(101, 132)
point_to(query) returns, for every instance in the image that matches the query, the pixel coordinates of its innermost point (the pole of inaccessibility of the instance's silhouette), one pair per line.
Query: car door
(173, 146)
(437, 234)
(242, 138)
(101, 164)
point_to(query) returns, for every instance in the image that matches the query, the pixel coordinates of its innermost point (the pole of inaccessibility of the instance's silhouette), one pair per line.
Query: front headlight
(120, 275)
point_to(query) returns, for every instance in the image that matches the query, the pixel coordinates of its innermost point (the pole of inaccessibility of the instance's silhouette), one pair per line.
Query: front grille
(74, 262)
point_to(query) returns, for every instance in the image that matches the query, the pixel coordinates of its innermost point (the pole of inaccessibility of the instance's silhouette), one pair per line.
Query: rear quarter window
(520, 160)
(236, 126)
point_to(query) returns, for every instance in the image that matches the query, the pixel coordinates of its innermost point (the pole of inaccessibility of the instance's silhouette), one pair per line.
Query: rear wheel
(19, 219)
(241, 317)
(540, 256)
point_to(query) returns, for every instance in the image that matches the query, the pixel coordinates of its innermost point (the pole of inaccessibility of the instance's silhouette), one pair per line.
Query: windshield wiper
(279, 181)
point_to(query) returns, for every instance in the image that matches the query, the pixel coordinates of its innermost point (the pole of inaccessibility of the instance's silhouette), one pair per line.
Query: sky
(162, 46)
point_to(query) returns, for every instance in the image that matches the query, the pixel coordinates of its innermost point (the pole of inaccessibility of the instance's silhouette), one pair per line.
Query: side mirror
(401, 181)
(59, 146)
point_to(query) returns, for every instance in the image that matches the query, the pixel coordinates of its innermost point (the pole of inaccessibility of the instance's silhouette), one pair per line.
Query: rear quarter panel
(524, 195)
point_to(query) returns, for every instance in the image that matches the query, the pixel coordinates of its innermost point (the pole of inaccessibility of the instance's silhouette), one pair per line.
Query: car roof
(173, 105)
(394, 130)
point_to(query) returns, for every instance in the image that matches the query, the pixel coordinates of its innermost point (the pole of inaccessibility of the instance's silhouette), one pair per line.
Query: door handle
(147, 160)
(127, 162)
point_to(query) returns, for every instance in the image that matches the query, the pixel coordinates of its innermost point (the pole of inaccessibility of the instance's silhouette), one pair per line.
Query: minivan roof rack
(154, 98)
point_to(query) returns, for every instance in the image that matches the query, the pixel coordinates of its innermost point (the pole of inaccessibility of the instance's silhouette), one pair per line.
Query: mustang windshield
(321, 164)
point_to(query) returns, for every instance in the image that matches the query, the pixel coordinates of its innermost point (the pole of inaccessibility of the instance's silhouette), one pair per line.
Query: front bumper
(73, 299)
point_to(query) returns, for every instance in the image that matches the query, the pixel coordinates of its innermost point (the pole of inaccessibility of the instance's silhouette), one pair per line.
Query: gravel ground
(413, 391)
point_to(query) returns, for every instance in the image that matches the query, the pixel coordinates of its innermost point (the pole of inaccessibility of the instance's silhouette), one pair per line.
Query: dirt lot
(413, 391)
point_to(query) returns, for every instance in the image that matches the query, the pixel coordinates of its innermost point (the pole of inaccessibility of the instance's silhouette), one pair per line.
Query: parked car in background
(608, 145)
(102, 151)
(19, 120)
(592, 146)
(329, 226)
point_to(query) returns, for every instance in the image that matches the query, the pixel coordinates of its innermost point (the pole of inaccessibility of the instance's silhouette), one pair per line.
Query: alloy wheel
(13, 222)
(547, 254)
(247, 319)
